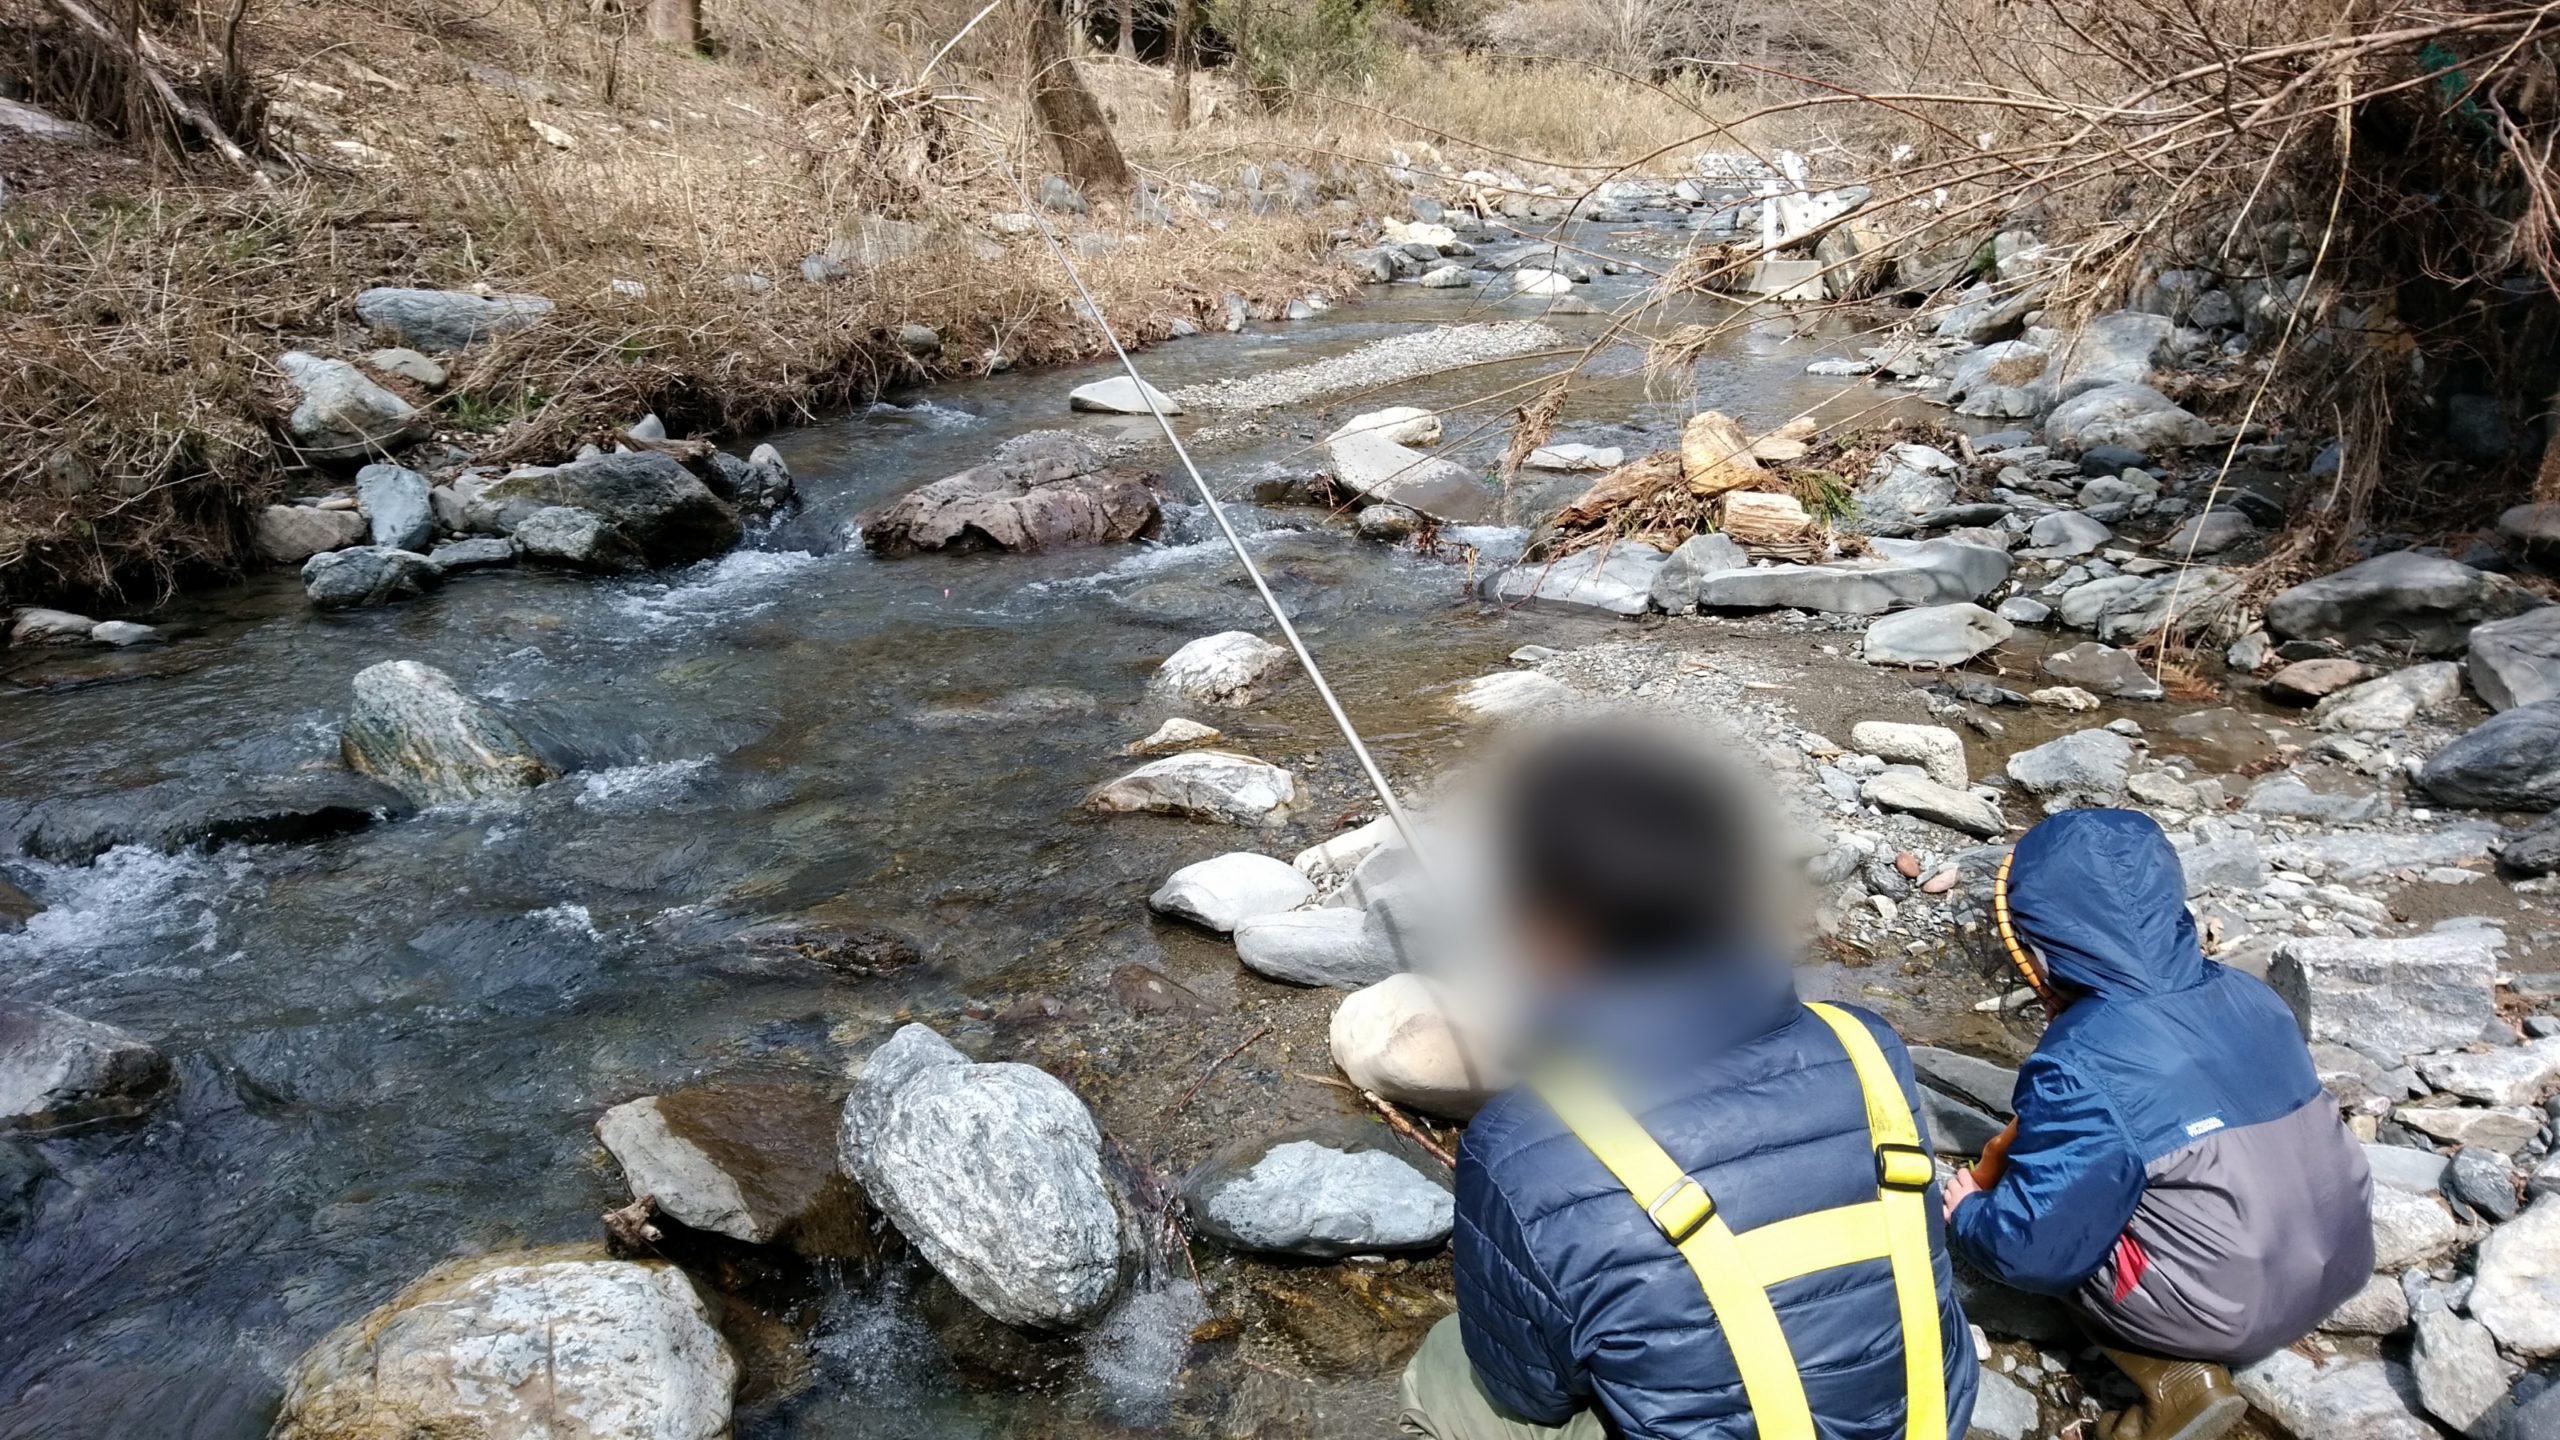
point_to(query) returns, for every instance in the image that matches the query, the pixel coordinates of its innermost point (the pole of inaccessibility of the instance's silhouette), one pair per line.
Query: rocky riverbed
(927, 993)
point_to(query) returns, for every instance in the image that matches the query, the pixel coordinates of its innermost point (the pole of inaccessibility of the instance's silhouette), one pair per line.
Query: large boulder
(2516, 661)
(2136, 417)
(1899, 573)
(2081, 769)
(2403, 996)
(2102, 670)
(1397, 1039)
(1939, 635)
(2117, 349)
(2390, 702)
(339, 415)
(1346, 1187)
(291, 534)
(1934, 748)
(413, 729)
(1232, 667)
(576, 539)
(1605, 580)
(557, 1344)
(671, 517)
(752, 1158)
(993, 1172)
(2004, 380)
(1373, 466)
(1329, 945)
(1906, 482)
(2508, 762)
(2342, 1400)
(446, 319)
(2517, 1294)
(58, 1070)
(396, 507)
(1043, 491)
(1676, 582)
(1226, 891)
(1205, 785)
(365, 575)
(2404, 599)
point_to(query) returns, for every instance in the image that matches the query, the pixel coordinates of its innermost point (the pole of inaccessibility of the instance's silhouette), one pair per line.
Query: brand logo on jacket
(2205, 1126)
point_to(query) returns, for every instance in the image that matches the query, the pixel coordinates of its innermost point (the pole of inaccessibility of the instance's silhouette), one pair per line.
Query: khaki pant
(1440, 1399)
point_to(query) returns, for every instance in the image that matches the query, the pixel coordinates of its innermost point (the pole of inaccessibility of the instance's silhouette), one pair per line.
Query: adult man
(2177, 1173)
(1707, 1213)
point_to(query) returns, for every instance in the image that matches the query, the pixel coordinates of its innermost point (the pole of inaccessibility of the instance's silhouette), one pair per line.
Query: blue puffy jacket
(2178, 1170)
(1569, 1298)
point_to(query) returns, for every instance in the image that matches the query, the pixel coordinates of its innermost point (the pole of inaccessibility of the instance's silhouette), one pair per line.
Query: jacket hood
(2099, 897)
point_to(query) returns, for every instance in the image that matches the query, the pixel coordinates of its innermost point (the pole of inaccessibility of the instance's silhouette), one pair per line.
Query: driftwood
(1612, 492)
(1758, 518)
(1715, 456)
(141, 52)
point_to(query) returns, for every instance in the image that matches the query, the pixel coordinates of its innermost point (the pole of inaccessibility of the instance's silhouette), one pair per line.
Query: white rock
(1936, 635)
(1576, 456)
(1120, 395)
(1507, 694)
(1941, 804)
(1403, 424)
(2517, 1294)
(1344, 852)
(2404, 996)
(1205, 785)
(1174, 735)
(1540, 284)
(2343, 1400)
(2410, 1229)
(1934, 748)
(1226, 891)
(1329, 945)
(2518, 1075)
(1394, 1038)
(1230, 668)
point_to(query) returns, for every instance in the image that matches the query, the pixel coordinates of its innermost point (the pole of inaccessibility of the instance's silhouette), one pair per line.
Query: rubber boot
(2181, 1399)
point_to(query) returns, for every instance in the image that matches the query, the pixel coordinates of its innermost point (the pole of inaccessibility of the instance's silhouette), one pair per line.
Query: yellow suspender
(1735, 1271)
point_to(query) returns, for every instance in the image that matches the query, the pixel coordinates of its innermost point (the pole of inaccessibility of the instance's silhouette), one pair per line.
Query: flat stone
(748, 1157)
(2103, 670)
(1938, 635)
(1403, 424)
(1375, 467)
(2510, 762)
(2063, 534)
(1176, 734)
(2404, 996)
(1901, 572)
(2342, 1400)
(2358, 855)
(2306, 682)
(2517, 1293)
(478, 553)
(1934, 748)
(1611, 580)
(2405, 600)
(1226, 891)
(1939, 804)
(2391, 702)
(2329, 796)
(446, 319)
(577, 539)
(2406, 1168)
(2516, 661)
(1329, 945)
(2505, 1129)
(2517, 1075)
(1576, 456)
(1120, 395)
(1509, 695)
(1975, 1081)
(2088, 767)
(1205, 785)
(1231, 668)
(1346, 1187)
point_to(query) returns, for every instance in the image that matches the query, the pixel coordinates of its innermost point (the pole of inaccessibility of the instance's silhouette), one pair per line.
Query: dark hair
(1635, 841)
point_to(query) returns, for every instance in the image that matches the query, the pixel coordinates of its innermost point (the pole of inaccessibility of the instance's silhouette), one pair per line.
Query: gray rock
(823, 270)
(2116, 349)
(2018, 1314)
(37, 626)
(1448, 277)
(408, 364)
(2508, 1075)
(2380, 1308)
(1675, 585)
(1906, 482)
(477, 553)
(1936, 749)
(58, 1070)
(1371, 463)
(1388, 524)
(2403, 599)
(2517, 1292)
(2406, 1168)
(2134, 416)
(658, 505)
(2331, 797)
(367, 575)
(1043, 491)
(446, 319)
(1329, 945)
(1205, 785)
(2062, 534)
(2391, 702)
(2003, 1409)
(1975, 1081)
(1120, 395)
(2343, 1400)
(414, 730)
(2005, 380)
(2410, 1229)
(2401, 996)
(1939, 635)
(2536, 849)
(339, 415)
(1059, 193)
(2024, 610)
(2484, 1181)
(291, 534)
(2215, 855)
(2081, 769)
(2102, 670)
(1910, 794)
(2461, 1379)
(2352, 855)
(2505, 1129)
(2209, 533)
(1956, 1128)
(750, 1158)
(2510, 762)
(2516, 661)
(1230, 668)
(577, 539)
(1611, 580)
(1225, 891)
(1347, 1187)
(1900, 573)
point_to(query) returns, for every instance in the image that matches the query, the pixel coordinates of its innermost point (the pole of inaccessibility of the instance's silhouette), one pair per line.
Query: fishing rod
(1218, 513)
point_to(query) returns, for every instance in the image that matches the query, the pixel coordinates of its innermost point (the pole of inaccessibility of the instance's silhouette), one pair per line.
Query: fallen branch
(1213, 1069)
(179, 106)
(1397, 1122)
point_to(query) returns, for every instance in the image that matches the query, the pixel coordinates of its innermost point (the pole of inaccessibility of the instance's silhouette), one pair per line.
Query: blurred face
(1558, 953)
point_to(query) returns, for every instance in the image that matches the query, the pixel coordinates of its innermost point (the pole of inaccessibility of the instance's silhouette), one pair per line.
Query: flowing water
(392, 1044)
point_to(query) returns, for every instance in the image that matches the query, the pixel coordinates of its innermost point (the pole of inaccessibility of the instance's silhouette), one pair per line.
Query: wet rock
(1230, 668)
(1121, 395)
(2512, 1075)
(415, 730)
(1020, 1219)
(2102, 670)
(753, 1159)
(1902, 572)
(1374, 466)
(1611, 580)
(2342, 1400)
(576, 539)
(339, 415)
(2114, 349)
(59, 1071)
(1941, 635)
(1348, 1187)
(1205, 785)
(2391, 702)
(2510, 762)
(2517, 1293)
(1394, 1038)
(1042, 491)
(2081, 769)
(365, 575)
(1032, 705)
(2306, 682)
(2403, 599)
(655, 503)
(2380, 1308)
(758, 485)
(17, 907)
(556, 1344)
(2210, 533)
(291, 534)
(2066, 533)
(395, 506)
(2516, 661)
(1911, 794)
(2136, 417)
(1447, 277)
(1675, 584)
(184, 814)
(1387, 524)
(1934, 748)
(446, 319)
(37, 626)
(480, 553)
(1174, 735)
(1226, 891)
(2403, 996)
(121, 633)
(2328, 796)
(2461, 1379)
(1329, 945)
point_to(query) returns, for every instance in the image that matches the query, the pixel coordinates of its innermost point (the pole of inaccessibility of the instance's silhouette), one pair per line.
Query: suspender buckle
(1904, 1167)
(1678, 1211)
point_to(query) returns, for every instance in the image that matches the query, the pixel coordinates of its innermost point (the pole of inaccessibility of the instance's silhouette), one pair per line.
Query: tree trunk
(1070, 119)
(1128, 29)
(1182, 64)
(676, 22)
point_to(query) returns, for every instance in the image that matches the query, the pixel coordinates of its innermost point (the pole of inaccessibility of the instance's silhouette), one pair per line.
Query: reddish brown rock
(2305, 682)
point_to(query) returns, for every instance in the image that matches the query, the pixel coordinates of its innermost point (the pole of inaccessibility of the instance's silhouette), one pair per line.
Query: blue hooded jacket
(2178, 1170)
(1569, 1298)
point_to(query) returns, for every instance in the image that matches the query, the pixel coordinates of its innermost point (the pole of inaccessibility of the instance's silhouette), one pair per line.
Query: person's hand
(1956, 1191)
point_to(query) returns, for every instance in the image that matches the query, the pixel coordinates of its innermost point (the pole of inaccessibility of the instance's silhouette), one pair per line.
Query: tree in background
(1070, 119)
(1181, 107)
(676, 22)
